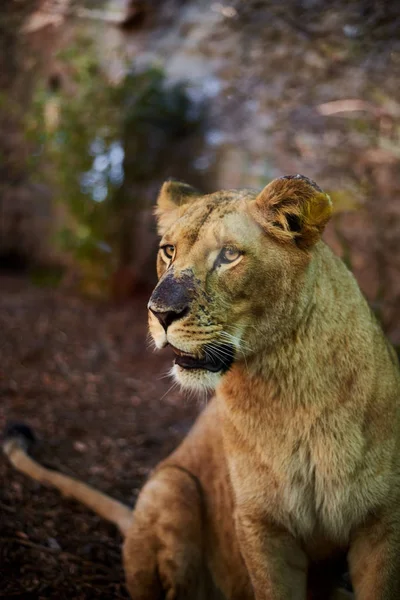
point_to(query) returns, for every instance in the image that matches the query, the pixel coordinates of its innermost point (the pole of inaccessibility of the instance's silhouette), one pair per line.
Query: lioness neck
(336, 350)
(304, 420)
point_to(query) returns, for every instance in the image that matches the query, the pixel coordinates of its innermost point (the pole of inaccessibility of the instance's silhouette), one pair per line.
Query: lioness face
(227, 278)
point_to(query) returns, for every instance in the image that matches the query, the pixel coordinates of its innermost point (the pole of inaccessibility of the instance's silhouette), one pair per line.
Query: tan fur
(106, 507)
(310, 407)
(295, 461)
(180, 541)
(304, 201)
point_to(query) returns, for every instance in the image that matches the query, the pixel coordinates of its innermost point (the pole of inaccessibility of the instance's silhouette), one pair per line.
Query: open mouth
(219, 358)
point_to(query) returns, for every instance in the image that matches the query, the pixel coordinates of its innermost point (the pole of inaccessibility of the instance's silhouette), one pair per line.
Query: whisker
(214, 353)
(239, 347)
(218, 350)
(240, 343)
(164, 375)
(231, 339)
(150, 343)
(245, 362)
(235, 338)
(174, 385)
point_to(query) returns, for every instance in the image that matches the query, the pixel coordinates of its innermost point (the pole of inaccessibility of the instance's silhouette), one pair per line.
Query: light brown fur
(180, 540)
(310, 407)
(295, 461)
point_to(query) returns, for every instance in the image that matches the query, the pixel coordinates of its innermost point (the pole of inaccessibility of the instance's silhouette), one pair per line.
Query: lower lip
(198, 367)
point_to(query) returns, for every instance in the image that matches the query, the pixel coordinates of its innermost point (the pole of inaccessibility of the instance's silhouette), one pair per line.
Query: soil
(82, 376)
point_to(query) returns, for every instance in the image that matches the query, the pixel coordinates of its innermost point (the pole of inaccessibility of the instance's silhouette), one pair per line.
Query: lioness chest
(313, 471)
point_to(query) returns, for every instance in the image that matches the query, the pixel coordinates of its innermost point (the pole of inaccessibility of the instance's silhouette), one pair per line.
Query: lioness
(308, 389)
(294, 463)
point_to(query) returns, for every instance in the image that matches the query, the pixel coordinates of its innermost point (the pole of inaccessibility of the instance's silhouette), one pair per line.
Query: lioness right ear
(172, 202)
(293, 208)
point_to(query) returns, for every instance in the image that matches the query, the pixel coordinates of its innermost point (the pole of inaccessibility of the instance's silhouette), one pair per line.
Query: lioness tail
(17, 442)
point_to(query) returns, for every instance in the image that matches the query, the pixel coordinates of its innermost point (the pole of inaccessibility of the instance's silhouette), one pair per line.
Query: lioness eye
(229, 255)
(168, 251)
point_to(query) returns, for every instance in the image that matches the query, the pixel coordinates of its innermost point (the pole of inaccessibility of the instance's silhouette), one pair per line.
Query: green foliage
(153, 115)
(90, 137)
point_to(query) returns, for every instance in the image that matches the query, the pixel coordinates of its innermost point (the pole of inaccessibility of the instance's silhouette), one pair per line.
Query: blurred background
(100, 102)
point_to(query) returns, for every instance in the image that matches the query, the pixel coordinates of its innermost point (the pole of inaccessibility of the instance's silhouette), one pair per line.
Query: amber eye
(229, 255)
(168, 252)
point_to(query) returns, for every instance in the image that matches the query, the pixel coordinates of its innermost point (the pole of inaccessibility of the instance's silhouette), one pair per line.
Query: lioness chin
(294, 463)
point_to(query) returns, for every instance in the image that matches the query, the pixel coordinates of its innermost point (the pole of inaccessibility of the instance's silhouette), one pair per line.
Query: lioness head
(235, 272)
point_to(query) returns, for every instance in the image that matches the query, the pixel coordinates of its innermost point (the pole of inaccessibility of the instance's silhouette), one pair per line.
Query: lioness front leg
(163, 549)
(277, 565)
(374, 559)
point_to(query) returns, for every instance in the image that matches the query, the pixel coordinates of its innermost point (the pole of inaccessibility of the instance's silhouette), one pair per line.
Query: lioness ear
(293, 208)
(173, 200)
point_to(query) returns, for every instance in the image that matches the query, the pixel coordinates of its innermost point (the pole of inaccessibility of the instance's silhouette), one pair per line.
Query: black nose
(169, 316)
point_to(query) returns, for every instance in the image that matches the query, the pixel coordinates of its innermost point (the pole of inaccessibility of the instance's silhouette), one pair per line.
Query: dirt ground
(83, 377)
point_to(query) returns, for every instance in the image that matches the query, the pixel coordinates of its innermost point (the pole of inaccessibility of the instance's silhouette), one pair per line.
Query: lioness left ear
(293, 208)
(172, 202)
